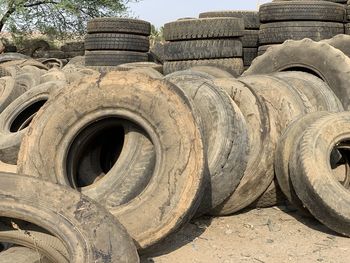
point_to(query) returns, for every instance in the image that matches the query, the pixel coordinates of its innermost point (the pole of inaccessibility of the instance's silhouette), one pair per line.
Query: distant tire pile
(204, 42)
(250, 39)
(296, 20)
(115, 41)
(73, 49)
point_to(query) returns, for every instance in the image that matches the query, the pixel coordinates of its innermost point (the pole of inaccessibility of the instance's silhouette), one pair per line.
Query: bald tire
(9, 91)
(341, 42)
(251, 18)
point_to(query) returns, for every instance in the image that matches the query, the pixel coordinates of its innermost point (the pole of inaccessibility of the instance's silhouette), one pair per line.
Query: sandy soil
(272, 235)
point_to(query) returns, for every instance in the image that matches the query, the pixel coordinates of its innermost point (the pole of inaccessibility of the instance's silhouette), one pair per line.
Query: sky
(159, 12)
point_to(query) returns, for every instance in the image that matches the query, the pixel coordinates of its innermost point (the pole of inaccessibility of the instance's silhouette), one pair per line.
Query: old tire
(308, 56)
(170, 195)
(119, 25)
(251, 18)
(341, 42)
(76, 220)
(215, 72)
(273, 196)
(9, 91)
(113, 58)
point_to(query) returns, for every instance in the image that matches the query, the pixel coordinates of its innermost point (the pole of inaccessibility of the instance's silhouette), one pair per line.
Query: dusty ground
(273, 235)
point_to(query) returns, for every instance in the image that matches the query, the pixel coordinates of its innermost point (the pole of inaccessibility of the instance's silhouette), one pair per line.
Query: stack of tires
(204, 42)
(296, 20)
(250, 40)
(114, 41)
(347, 19)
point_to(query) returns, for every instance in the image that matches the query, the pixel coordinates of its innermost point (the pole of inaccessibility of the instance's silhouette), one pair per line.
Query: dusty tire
(146, 207)
(113, 58)
(202, 49)
(250, 38)
(80, 224)
(203, 28)
(14, 120)
(151, 72)
(224, 131)
(249, 54)
(119, 25)
(263, 49)
(341, 42)
(232, 65)
(22, 255)
(301, 10)
(112, 41)
(273, 196)
(309, 56)
(278, 32)
(135, 65)
(251, 18)
(312, 177)
(9, 91)
(215, 72)
(262, 136)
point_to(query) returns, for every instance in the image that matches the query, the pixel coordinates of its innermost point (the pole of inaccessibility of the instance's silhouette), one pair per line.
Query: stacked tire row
(296, 20)
(115, 41)
(204, 42)
(347, 24)
(250, 39)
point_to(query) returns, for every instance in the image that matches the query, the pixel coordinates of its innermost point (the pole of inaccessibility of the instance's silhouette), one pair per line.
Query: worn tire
(301, 10)
(215, 72)
(225, 135)
(341, 42)
(203, 28)
(309, 56)
(113, 58)
(22, 255)
(119, 25)
(278, 32)
(150, 209)
(263, 49)
(232, 65)
(250, 38)
(202, 49)
(9, 91)
(273, 196)
(135, 65)
(113, 41)
(249, 54)
(312, 177)
(251, 18)
(76, 220)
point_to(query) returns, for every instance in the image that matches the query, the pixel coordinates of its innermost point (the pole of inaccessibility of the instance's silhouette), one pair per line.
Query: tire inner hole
(340, 163)
(303, 69)
(25, 117)
(94, 151)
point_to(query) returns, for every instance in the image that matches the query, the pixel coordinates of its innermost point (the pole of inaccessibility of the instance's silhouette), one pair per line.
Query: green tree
(56, 16)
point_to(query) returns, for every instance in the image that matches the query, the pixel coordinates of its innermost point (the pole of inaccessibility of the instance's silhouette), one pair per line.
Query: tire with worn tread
(250, 38)
(113, 58)
(9, 91)
(249, 54)
(341, 42)
(251, 18)
(119, 25)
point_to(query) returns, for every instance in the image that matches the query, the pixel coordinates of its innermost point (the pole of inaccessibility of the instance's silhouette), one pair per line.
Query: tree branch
(41, 3)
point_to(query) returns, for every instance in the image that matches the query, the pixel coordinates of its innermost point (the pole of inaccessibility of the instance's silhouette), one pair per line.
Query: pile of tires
(347, 19)
(296, 20)
(204, 42)
(250, 39)
(114, 41)
(73, 49)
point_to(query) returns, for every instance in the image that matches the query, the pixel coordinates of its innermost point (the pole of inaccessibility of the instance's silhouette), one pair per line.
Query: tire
(341, 42)
(251, 18)
(53, 63)
(151, 72)
(132, 97)
(9, 91)
(263, 49)
(286, 145)
(308, 56)
(14, 120)
(232, 65)
(27, 81)
(53, 74)
(312, 177)
(20, 63)
(202, 49)
(76, 220)
(113, 58)
(5, 57)
(73, 46)
(278, 32)
(250, 38)
(204, 28)
(22, 255)
(225, 135)
(119, 25)
(73, 54)
(249, 54)
(77, 61)
(37, 45)
(318, 93)
(301, 10)
(273, 196)
(212, 71)
(113, 41)
(262, 135)
(135, 65)
(347, 28)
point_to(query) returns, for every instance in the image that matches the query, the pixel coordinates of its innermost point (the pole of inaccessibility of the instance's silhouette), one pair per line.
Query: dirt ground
(272, 235)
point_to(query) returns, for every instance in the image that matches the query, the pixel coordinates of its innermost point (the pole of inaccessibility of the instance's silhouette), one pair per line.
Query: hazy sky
(158, 12)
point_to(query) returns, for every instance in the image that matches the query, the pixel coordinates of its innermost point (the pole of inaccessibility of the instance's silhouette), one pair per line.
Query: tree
(56, 16)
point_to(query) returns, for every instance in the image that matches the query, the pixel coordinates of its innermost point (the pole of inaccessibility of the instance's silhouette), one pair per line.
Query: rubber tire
(286, 145)
(10, 140)
(5, 57)
(318, 93)
(155, 212)
(251, 18)
(273, 196)
(263, 49)
(113, 41)
(202, 49)
(278, 32)
(249, 54)
(212, 71)
(309, 55)
(73, 46)
(119, 25)
(113, 58)
(203, 28)
(250, 38)
(76, 220)
(151, 72)
(53, 74)
(301, 10)
(22, 255)
(262, 135)
(312, 177)
(232, 65)
(135, 65)
(224, 131)
(341, 42)
(9, 91)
